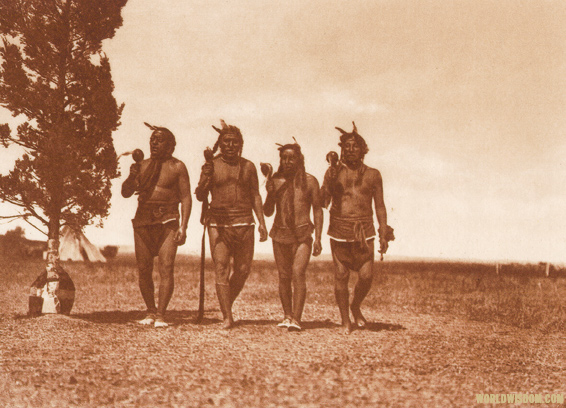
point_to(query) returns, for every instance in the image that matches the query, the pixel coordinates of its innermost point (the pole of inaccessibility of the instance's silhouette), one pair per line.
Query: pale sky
(461, 103)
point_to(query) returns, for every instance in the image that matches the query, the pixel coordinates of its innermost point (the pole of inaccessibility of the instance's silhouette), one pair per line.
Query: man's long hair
(225, 130)
(300, 174)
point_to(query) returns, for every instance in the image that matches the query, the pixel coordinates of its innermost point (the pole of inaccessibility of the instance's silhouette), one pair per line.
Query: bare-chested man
(233, 184)
(352, 187)
(162, 182)
(293, 192)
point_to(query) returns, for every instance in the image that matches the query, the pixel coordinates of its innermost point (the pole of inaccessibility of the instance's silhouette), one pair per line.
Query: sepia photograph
(257, 203)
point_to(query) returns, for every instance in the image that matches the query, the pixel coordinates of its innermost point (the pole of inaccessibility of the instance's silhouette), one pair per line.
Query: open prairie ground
(440, 333)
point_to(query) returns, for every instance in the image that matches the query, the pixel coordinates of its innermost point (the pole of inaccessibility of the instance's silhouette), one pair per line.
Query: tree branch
(7, 217)
(12, 201)
(36, 215)
(43, 232)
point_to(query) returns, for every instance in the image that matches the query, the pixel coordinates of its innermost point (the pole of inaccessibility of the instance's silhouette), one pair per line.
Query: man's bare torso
(352, 198)
(167, 187)
(302, 201)
(233, 184)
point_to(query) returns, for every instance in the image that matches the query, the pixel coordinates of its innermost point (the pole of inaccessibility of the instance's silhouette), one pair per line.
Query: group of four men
(162, 182)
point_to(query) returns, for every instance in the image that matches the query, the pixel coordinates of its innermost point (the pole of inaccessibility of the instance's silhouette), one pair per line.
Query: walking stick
(208, 156)
(200, 314)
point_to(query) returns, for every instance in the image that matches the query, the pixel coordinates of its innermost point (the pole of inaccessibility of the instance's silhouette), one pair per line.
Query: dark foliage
(55, 74)
(109, 251)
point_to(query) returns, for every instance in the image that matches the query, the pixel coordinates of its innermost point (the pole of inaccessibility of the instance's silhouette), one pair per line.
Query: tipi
(74, 246)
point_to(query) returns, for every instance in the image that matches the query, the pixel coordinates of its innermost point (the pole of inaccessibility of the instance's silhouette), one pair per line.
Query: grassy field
(440, 333)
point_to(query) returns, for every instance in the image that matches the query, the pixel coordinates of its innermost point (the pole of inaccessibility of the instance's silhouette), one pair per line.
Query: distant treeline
(14, 244)
(461, 268)
(509, 269)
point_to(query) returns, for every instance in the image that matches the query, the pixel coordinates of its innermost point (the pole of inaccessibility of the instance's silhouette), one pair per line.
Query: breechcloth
(154, 221)
(240, 244)
(352, 255)
(155, 212)
(359, 229)
(298, 235)
(236, 238)
(288, 252)
(153, 236)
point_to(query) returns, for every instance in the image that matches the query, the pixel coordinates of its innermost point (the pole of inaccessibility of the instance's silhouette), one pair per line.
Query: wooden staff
(208, 156)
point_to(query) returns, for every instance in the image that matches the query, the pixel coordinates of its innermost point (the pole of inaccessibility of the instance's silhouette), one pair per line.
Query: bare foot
(359, 319)
(347, 327)
(285, 323)
(294, 326)
(227, 324)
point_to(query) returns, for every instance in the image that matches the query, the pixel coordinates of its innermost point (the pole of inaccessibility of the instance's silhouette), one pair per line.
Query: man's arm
(256, 202)
(130, 185)
(203, 186)
(328, 185)
(184, 185)
(269, 205)
(317, 215)
(380, 212)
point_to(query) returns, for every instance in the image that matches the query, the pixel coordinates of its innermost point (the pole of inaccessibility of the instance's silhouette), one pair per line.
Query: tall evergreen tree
(55, 74)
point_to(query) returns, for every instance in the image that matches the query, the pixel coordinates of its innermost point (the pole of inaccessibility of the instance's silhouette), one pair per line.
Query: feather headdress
(226, 130)
(353, 134)
(166, 132)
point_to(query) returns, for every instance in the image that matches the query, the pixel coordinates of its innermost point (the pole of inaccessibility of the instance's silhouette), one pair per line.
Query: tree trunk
(53, 242)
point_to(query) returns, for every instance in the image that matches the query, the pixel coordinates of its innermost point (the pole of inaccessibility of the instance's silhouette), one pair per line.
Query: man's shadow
(379, 326)
(173, 317)
(183, 317)
(370, 326)
(324, 324)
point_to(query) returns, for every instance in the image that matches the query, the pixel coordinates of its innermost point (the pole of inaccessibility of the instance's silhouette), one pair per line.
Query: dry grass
(439, 334)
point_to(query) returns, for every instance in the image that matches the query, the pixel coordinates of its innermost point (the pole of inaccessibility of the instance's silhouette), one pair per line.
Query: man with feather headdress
(352, 187)
(233, 185)
(162, 182)
(291, 193)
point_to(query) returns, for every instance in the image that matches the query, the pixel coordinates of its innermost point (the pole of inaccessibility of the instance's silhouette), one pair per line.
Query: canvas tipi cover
(74, 246)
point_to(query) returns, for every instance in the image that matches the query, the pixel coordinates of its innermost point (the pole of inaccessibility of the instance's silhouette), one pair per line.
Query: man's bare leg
(243, 258)
(221, 258)
(223, 293)
(300, 262)
(341, 277)
(283, 259)
(167, 254)
(362, 288)
(144, 261)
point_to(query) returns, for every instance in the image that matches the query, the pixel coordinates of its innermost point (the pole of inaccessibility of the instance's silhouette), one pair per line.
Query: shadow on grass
(317, 324)
(323, 324)
(259, 322)
(370, 326)
(173, 317)
(377, 327)
(182, 317)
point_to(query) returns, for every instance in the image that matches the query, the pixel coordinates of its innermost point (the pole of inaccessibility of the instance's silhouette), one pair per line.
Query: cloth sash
(354, 229)
(229, 217)
(156, 212)
(149, 178)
